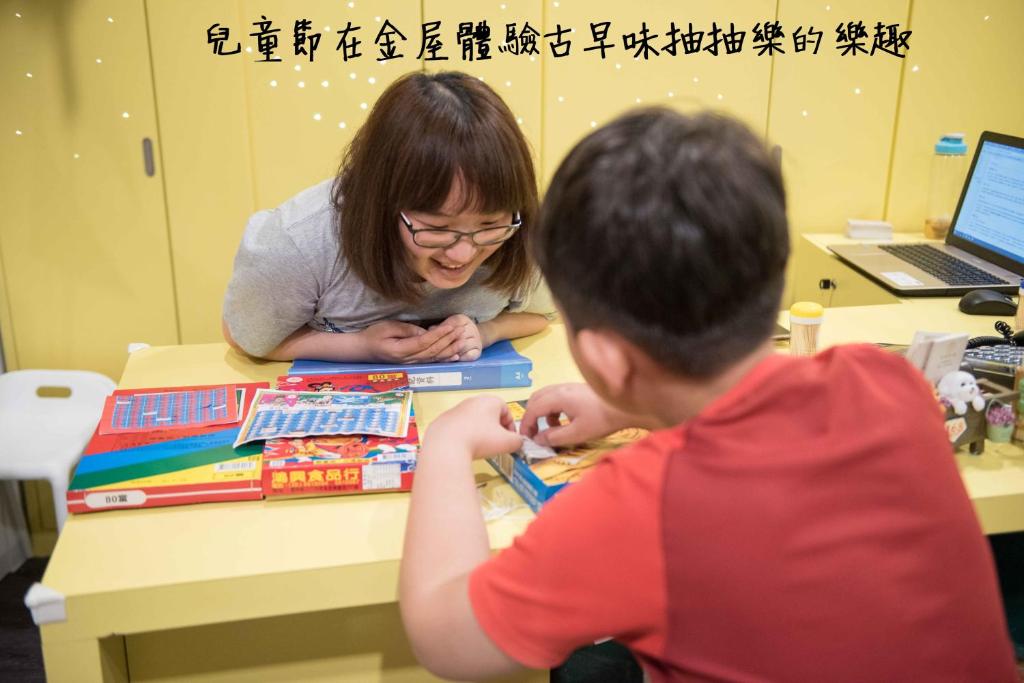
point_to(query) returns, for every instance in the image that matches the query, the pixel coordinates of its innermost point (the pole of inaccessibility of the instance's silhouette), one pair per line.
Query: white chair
(46, 419)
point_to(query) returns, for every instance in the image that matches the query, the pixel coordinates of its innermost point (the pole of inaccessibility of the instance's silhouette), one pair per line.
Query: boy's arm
(445, 539)
(469, 615)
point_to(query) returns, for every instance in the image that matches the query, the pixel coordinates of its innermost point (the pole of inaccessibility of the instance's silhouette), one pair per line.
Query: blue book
(499, 366)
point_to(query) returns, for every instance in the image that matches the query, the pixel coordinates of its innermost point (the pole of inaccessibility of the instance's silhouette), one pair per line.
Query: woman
(416, 252)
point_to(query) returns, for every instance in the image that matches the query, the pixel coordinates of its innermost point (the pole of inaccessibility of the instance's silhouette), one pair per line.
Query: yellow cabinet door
(241, 134)
(84, 243)
(817, 275)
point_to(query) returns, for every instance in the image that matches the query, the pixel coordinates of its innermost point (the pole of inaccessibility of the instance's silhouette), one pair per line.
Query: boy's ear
(608, 360)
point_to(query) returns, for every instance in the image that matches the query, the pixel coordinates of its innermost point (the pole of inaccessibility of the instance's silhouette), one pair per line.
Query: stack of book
(317, 435)
(168, 446)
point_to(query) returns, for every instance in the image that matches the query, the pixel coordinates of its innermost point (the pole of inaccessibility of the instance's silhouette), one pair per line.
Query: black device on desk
(995, 358)
(987, 302)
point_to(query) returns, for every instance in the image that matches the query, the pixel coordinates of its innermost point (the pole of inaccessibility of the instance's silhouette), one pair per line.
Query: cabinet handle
(147, 157)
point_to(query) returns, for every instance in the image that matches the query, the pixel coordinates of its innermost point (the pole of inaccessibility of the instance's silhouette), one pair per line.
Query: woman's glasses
(439, 238)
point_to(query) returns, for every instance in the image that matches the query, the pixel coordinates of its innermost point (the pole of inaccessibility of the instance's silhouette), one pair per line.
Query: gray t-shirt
(288, 274)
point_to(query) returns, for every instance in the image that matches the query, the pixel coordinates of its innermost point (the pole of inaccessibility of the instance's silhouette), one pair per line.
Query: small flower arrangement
(1000, 415)
(1000, 421)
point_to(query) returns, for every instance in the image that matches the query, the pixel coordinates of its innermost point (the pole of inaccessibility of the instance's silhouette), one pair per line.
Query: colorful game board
(279, 414)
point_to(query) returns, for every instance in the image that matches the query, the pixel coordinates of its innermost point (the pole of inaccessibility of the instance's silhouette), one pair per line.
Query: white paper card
(902, 279)
(936, 353)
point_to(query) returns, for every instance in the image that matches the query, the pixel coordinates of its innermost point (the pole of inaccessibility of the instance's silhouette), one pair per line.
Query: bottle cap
(807, 312)
(951, 143)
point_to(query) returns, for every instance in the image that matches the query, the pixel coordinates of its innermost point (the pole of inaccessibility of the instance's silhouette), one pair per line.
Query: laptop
(984, 248)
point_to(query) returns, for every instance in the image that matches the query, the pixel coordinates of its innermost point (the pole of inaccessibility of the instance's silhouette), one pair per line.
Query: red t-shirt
(809, 525)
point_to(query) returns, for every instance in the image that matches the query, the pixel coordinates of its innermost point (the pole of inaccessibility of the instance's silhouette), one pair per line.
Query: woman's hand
(472, 337)
(397, 342)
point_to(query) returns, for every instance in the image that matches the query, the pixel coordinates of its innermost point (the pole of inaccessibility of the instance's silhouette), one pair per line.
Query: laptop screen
(991, 212)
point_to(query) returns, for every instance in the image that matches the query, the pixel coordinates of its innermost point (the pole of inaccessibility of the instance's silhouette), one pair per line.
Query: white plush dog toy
(959, 389)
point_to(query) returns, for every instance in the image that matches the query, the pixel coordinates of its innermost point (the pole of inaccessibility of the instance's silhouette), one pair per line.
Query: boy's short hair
(671, 230)
(426, 131)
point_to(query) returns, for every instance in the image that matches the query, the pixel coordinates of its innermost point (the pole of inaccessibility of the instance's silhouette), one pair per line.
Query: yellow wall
(964, 75)
(96, 254)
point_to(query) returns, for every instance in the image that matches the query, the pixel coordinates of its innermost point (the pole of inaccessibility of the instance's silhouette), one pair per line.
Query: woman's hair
(424, 133)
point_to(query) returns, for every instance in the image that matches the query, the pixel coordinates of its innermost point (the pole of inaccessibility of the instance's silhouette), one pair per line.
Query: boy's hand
(472, 340)
(589, 416)
(397, 342)
(482, 423)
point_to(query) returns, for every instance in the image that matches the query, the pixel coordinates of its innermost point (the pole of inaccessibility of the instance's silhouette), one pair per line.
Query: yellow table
(126, 575)
(306, 589)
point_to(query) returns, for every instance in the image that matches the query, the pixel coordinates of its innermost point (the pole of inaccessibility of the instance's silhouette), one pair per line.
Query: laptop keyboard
(941, 265)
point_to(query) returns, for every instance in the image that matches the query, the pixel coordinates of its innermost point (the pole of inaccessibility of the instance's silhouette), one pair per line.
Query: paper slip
(532, 450)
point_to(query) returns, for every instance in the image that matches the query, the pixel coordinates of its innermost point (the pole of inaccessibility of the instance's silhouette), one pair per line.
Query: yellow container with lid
(805, 318)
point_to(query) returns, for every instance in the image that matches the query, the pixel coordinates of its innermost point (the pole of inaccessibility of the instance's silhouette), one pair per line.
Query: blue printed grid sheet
(144, 411)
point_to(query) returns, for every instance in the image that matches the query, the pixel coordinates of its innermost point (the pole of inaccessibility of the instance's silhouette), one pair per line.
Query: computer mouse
(987, 302)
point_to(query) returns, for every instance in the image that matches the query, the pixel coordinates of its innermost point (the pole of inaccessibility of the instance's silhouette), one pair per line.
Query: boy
(783, 524)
